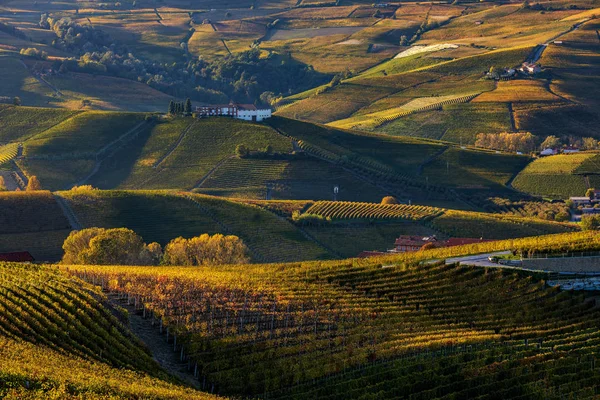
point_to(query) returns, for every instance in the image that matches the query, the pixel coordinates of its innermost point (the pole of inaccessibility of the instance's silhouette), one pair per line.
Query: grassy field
(555, 176)
(516, 91)
(17, 82)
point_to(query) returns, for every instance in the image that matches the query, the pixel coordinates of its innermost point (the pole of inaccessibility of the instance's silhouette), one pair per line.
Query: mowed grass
(515, 91)
(162, 216)
(21, 123)
(554, 176)
(82, 135)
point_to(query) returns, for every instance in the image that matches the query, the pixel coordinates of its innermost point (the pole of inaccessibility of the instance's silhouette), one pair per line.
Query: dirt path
(211, 172)
(175, 145)
(511, 114)
(68, 212)
(156, 342)
(43, 81)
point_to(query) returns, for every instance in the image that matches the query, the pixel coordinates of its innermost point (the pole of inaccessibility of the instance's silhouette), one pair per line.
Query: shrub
(33, 184)
(241, 151)
(389, 200)
(590, 222)
(310, 219)
(34, 53)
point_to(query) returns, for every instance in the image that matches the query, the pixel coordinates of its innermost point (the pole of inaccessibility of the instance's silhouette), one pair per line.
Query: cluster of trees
(34, 53)
(13, 31)
(243, 151)
(523, 142)
(243, 76)
(177, 107)
(32, 185)
(590, 222)
(554, 142)
(122, 246)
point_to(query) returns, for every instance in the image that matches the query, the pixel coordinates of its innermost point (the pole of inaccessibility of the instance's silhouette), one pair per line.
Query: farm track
(68, 212)
(430, 159)
(20, 174)
(175, 145)
(511, 114)
(211, 172)
(43, 81)
(110, 149)
(161, 351)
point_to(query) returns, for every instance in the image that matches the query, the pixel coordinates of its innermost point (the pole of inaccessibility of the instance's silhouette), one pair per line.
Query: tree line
(122, 246)
(243, 76)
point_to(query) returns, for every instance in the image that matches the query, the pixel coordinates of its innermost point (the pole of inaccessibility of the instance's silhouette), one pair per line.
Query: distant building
(580, 201)
(412, 243)
(570, 150)
(246, 112)
(18, 256)
(548, 152)
(530, 68)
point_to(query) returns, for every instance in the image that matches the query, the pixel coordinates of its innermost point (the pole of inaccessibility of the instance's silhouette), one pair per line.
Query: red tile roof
(406, 240)
(18, 256)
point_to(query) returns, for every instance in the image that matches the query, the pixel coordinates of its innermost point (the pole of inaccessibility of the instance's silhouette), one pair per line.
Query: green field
(556, 176)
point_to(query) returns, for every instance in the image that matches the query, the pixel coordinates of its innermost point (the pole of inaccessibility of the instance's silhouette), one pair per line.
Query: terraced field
(340, 210)
(555, 176)
(356, 328)
(57, 339)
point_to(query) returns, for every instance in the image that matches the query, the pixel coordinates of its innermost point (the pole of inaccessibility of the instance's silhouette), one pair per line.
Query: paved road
(480, 260)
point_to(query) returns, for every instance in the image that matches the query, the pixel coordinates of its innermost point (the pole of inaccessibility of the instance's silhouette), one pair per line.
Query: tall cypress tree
(188, 107)
(171, 107)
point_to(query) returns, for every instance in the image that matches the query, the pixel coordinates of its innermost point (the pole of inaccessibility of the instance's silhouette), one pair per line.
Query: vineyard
(8, 152)
(341, 329)
(340, 210)
(57, 340)
(375, 120)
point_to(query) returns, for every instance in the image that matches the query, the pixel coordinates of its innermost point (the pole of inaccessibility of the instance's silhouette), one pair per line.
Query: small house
(548, 152)
(581, 201)
(530, 68)
(17, 256)
(570, 150)
(407, 243)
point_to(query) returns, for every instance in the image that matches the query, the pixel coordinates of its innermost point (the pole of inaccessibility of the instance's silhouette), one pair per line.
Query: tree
(389, 200)
(17, 101)
(551, 142)
(404, 40)
(589, 143)
(562, 216)
(268, 149)
(590, 193)
(188, 107)
(2, 184)
(206, 250)
(171, 107)
(241, 151)
(76, 243)
(590, 222)
(33, 184)
(427, 246)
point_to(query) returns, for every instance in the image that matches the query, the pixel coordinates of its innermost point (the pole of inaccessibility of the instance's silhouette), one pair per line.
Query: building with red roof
(18, 256)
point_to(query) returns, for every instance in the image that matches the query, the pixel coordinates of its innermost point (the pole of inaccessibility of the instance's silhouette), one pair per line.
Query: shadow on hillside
(117, 168)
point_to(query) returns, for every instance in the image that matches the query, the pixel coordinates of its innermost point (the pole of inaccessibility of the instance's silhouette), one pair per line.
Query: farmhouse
(246, 112)
(570, 150)
(530, 68)
(18, 256)
(412, 243)
(548, 152)
(580, 201)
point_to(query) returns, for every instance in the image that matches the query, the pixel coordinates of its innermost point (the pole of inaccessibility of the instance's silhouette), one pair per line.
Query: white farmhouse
(246, 112)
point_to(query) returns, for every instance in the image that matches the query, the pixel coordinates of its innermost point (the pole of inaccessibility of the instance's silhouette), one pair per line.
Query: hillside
(58, 339)
(342, 329)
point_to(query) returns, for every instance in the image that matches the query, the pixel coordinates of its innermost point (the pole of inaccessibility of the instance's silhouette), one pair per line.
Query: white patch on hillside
(425, 49)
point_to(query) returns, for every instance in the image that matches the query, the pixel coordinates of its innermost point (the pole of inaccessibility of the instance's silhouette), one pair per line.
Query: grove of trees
(122, 246)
